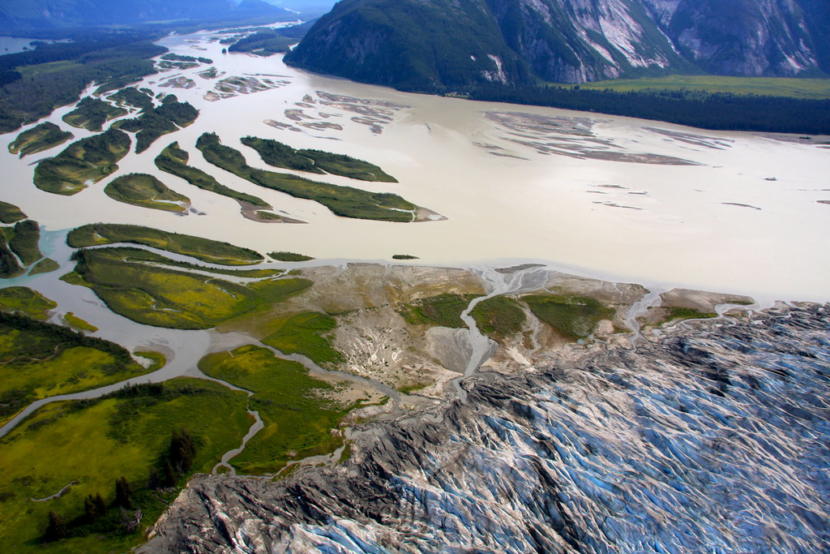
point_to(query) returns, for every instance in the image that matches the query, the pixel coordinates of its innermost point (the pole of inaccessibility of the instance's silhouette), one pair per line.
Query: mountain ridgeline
(40, 15)
(445, 45)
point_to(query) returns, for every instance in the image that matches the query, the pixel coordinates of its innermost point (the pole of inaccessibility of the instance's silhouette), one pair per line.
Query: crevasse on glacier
(713, 438)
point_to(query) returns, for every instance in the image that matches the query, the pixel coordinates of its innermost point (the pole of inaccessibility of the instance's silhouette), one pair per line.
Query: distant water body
(13, 45)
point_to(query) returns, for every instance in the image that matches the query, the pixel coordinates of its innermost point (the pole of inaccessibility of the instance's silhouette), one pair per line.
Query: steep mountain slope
(20, 15)
(441, 44)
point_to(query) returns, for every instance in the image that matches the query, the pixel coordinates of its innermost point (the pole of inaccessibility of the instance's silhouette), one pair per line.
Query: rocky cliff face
(714, 437)
(440, 44)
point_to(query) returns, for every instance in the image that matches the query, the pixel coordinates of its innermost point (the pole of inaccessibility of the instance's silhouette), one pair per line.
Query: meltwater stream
(713, 438)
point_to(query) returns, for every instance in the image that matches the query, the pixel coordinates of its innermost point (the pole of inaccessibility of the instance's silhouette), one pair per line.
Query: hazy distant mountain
(20, 15)
(428, 44)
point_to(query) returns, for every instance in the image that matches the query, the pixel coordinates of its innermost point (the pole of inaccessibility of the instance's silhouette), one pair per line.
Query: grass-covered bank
(39, 360)
(206, 250)
(66, 455)
(705, 109)
(152, 294)
(808, 89)
(146, 191)
(87, 160)
(298, 416)
(39, 138)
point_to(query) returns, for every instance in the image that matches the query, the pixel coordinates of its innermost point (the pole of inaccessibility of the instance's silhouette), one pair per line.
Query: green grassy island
(131, 96)
(289, 257)
(278, 154)
(9, 213)
(89, 159)
(304, 333)
(25, 301)
(206, 250)
(165, 297)
(146, 191)
(39, 138)
(24, 241)
(152, 124)
(174, 160)
(46, 265)
(342, 201)
(92, 113)
(263, 43)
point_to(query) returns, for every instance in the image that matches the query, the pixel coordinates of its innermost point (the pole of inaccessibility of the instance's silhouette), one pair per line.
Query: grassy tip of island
(289, 257)
(306, 333)
(92, 113)
(86, 160)
(146, 191)
(25, 301)
(46, 265)
(9, 213)
(206, 250)
(39, 138)
(277, 154)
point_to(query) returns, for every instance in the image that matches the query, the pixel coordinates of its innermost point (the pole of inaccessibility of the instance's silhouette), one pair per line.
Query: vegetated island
(132, 96)
(174, 160)
(289, 257)
(36, 82)
(206, 250)
(19, 247)
(342, 201)
(92, 113)
(147, 292)
(27, 302)
(89, 159)
(9, 213)
(277, 154)
(177, 61)
(39, 138)
(153, 123)
(147, 191)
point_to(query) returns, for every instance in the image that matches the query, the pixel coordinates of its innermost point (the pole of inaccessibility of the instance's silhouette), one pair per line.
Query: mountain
(442, 44)
(18, 16)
